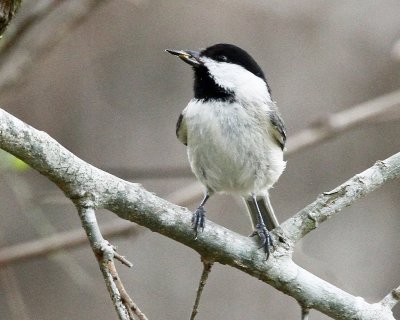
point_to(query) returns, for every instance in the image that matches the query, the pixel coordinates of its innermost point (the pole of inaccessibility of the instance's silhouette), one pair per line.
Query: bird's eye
(223, 58)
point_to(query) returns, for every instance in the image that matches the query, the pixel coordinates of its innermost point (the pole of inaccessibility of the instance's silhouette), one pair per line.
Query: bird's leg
(199, 216)
(262, 231)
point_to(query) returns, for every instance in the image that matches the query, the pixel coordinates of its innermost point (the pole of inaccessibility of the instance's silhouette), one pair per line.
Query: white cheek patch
(235, 78)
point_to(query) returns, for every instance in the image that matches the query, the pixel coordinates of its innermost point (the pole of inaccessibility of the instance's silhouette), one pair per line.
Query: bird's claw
(199, 219)
(266, 241)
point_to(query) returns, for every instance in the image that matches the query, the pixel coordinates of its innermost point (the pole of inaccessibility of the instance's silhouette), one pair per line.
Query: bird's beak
(190, 57)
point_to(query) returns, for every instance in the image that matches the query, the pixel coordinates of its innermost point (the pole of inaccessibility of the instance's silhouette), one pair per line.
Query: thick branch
(88, 186)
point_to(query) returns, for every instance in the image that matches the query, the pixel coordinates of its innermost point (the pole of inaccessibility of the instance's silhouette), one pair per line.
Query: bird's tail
(266, 210)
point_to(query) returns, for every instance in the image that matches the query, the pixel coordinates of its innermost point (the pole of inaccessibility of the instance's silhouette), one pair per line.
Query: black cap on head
(230, 53)
(205, 87)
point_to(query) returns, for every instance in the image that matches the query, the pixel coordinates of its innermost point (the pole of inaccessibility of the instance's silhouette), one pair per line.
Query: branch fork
(106, 251)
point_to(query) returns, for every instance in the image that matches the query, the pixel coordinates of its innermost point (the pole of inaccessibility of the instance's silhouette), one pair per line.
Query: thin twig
(122, 259)
(305, 313)
(105, 254)
(207, 265)
(130, 304)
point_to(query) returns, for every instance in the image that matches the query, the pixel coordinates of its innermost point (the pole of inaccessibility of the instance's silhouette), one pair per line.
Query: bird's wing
(278, 129)
(181, 130)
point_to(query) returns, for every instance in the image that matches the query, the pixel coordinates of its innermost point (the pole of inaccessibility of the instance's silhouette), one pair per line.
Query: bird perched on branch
(234, 133)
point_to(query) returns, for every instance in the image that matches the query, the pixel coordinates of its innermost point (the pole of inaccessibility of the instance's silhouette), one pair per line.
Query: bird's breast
(229, 147)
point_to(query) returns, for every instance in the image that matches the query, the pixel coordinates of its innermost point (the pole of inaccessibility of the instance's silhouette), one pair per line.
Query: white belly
(230, 149)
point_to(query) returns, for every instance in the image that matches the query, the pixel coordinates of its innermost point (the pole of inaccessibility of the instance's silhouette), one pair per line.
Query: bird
(234, 133)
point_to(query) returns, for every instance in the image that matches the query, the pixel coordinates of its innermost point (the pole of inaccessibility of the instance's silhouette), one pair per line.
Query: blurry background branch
(35, 15)
(13, 294)
(342, 121)
(75, 238)
(43, 27)
(396, 50)
(44, 228)
(59, 241)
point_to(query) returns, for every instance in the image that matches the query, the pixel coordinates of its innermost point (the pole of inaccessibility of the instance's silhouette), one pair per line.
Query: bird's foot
(266, 241)
(199, 219)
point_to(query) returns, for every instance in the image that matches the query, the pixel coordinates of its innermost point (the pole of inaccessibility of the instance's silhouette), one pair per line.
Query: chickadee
(233, 131)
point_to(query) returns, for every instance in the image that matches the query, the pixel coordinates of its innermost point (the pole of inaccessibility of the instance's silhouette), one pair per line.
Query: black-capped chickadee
(233, 131)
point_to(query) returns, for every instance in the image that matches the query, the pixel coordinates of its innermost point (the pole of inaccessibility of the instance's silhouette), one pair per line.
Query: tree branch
(90, 187)
(105, 254)
(305, 313)
(131, 306)
(343, 121)
(207, 265)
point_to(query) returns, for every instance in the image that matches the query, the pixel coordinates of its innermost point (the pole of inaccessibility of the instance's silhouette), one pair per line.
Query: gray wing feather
(278, 129)
(181, 130)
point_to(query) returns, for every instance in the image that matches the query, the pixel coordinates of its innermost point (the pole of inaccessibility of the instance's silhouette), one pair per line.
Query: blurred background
(94, 76)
